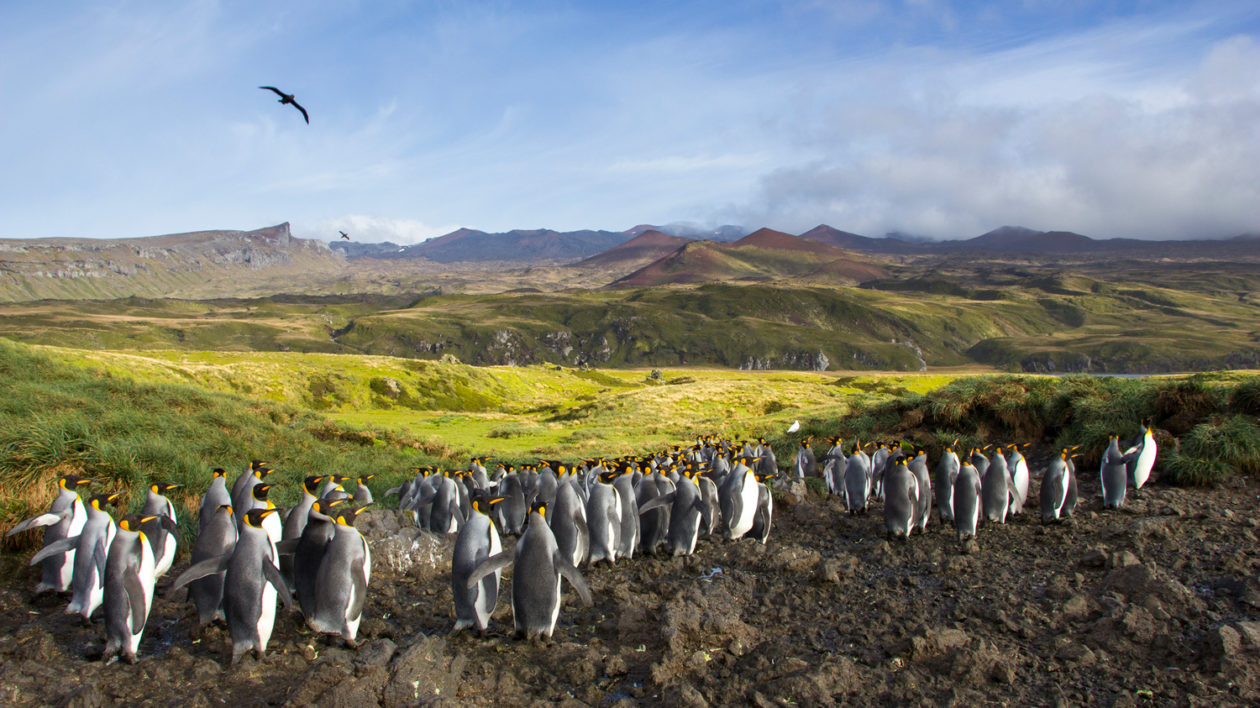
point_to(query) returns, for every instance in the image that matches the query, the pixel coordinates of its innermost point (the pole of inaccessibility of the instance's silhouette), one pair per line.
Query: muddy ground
(1158, 603)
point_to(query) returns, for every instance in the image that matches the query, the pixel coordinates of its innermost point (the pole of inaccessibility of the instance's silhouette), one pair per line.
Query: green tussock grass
(126, 434)
(1203, 422)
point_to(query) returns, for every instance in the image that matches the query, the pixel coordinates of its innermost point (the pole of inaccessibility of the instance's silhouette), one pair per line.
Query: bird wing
(304, 115)
(279, 93)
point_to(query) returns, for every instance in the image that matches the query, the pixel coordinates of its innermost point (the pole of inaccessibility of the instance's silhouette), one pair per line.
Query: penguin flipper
(574, 576)
(359, 596)
(168, 523)
(42, 520)
(703, 508)
(288, 546)
(199, 570)
(52, 549)
(272, 573)
(135, 598)
(502, 559)
(663, 500)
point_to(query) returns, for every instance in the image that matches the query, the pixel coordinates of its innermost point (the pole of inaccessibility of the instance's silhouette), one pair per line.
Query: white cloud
(1111, 150)
(365, 228)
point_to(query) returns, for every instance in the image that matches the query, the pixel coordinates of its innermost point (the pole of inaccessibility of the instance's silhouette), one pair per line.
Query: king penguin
(687, 512)
(513, 510)
(129, 579)
(310, 552)
(857, 482)
(295, 522)
(216, 496)
(737, 497)
(806, 464)
(341, 585)
(1054, 488)
(537, 568)
(1018, 467)
(764, 517)
(1140, 459)
(161, 538)
(1113, 474)
(996, 489)
(217, 538)
(901, 500)
(568, 522)
(967, 501)
(603, 519)
(923, 490)
(628, 537)
(477, 541)
(946, 474)
(242, 501)
(251, 585)
(65, 518)
(91, 548)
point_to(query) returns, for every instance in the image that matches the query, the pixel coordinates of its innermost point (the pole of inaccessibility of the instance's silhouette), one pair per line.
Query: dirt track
(1156, 604)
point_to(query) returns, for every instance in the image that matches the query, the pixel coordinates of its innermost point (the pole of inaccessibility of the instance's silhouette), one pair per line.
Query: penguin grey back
(967, 501)
(996, 489)
(901, 500)
(946, 474)
(1114, 475)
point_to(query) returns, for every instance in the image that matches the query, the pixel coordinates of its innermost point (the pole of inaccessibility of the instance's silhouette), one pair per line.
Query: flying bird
(288, 98)
(344, 235)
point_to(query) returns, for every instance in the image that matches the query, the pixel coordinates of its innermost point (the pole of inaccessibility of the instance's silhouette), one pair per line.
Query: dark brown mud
(1156, 604)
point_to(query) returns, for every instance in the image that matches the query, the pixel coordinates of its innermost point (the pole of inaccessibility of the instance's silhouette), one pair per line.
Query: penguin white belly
(481, 601)
(147, 580)
(275, 531)
(1145, 462)
(555, 608)
(78, 517)
(267, 616)
(163, 563)
(748, 508)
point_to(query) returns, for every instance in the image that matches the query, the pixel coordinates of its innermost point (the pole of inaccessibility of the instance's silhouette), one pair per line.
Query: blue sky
(942, 119)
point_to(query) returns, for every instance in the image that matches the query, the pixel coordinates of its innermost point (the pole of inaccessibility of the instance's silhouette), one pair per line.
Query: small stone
(1123, 559)
(1094, 558)
(1250, 632)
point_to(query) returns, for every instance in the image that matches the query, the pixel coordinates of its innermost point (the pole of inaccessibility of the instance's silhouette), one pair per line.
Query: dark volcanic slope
(762, 255)
(1156, 604)
(526, 246)
(646, 247)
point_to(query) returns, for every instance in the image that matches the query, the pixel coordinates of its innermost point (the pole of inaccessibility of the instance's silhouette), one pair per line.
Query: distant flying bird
(795, 426)
(288, 98)
(343, 235)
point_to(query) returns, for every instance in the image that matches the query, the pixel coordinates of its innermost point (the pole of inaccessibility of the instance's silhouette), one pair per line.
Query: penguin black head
(255, 516)
(539, 507)
(260, 491)
(218, 472)
(133, 522)
(347, 517)
(325, 505)
(261, 469)
(312, 482)
(364, 479)
(482, 500)
(99, 500)
(163, 487)
(72, 482)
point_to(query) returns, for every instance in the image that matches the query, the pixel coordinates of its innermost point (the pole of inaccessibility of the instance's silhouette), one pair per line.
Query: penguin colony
(234, 577)
(245, 558)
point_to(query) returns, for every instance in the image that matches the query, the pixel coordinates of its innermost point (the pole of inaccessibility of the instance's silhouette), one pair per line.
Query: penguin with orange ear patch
(129, 580)
(478, 540)
(538, 566)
